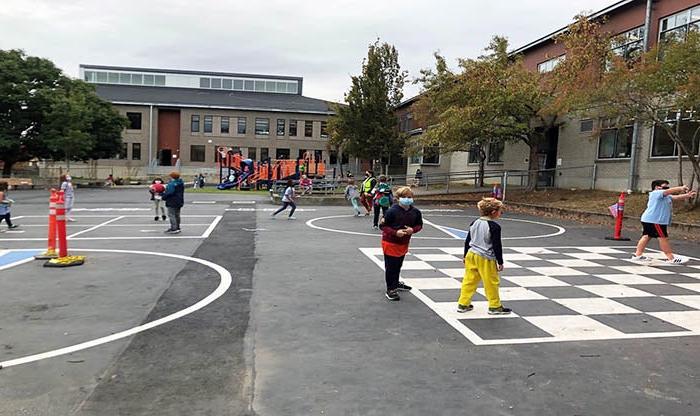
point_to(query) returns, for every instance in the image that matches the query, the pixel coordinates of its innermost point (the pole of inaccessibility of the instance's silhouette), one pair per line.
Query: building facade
(180, 118)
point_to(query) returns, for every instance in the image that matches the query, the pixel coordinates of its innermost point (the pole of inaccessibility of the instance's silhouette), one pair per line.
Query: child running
(483, 258)
(5, 204)
(156, 190)
(657, 217)
(288, 198)
(353, 195)
(382, 199)
(398, 225)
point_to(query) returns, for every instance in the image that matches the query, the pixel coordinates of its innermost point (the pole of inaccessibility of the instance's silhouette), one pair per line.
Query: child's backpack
(384, 195)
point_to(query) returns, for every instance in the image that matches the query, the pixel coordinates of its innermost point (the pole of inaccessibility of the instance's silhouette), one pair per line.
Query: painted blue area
(460, 234)
(15, 256)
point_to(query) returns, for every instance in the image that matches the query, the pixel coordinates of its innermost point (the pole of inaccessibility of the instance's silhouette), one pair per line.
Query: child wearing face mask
(400, 222)
(68, 195)
(156, 190)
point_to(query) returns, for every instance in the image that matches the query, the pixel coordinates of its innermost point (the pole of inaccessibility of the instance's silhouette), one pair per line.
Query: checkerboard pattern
(560, 294)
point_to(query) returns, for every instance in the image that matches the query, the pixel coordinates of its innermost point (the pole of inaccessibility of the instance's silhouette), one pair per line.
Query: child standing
(352, 195)
(483, 258)
(288, 198)
(68, 195)
(5, 204)
(156, 190)
(382, 199)
(657, 217)
(398, 225)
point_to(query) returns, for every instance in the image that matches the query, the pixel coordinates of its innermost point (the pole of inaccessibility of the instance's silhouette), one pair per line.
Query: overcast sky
(322, 41)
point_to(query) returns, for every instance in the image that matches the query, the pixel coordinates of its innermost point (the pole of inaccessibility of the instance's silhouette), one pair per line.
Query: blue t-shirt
(659, 208)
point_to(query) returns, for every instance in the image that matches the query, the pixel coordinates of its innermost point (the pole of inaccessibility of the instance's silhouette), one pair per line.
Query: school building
(616, 159)
(180, 118)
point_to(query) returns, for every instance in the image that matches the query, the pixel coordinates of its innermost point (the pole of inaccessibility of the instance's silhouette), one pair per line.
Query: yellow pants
(478, 268)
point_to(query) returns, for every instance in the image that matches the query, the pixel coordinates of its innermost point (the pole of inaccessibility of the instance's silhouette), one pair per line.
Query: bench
(14, 183)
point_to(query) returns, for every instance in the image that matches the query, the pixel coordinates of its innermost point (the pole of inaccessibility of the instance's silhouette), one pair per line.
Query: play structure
(235, 172)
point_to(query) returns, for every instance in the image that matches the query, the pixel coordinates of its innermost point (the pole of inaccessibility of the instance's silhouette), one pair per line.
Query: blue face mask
(406, 201)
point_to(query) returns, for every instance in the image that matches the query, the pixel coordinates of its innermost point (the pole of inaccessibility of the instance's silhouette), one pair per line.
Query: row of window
(262, 126)
(283, 87)
(198, 153)
(678, 25)
(105, 77)
(135, 151)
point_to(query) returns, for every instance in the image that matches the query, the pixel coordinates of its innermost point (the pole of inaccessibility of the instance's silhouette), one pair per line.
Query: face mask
(406, 201)
(68, 178)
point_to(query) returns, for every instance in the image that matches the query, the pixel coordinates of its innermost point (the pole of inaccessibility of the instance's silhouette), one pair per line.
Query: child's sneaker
(156, 218)
(404, 287)
(464, 308)
(13, 226)
(640, 258)
(164, 217)
(499, 311)
(675, 260)
(291, 218)
(392, 295)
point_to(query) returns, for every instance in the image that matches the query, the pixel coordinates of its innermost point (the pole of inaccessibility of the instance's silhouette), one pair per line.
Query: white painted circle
(224, 283)
(559, 230)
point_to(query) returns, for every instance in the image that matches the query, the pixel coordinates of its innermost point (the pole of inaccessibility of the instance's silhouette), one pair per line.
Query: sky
(322, 41)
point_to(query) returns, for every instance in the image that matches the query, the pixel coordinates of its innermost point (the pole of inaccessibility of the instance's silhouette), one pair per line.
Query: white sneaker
(640, 258)
(291, 218)
(675, 260)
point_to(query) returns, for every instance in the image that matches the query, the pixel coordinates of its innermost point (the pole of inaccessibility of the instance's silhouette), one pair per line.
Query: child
(483, 258)
(288, 198)
(174, 197)
(657, 217)
(382, 199)
(5, 204)
(156, 190)
(399, 223)
(352, 195)
(68, 195)
(306, 185)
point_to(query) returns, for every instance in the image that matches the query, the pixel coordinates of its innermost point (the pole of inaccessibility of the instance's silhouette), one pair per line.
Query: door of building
(168, 136)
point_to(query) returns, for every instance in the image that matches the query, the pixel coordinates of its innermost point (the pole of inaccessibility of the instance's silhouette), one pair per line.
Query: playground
(242, 315)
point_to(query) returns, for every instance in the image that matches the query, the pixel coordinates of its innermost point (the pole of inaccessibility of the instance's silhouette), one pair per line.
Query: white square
(509, 265)
(595, 306)
(695, 267)
(573, 327)
(615, 291)
(372, 251)
(457, 251)
(575, 263)
(629, 279)
(601, 250)
(416, 265)
(589, 256)
(515, 293)
(688, 300)
(641, 270)
(519, 256)
(557, 271)
(695, 287)
(453, 272)
(693, 275)
(433, 283)
(448, 310)
(685, 319)
(535, 281)
(437, 257)
(532, 250)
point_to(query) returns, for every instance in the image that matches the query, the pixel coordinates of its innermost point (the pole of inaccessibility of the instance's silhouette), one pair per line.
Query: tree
(366, 127)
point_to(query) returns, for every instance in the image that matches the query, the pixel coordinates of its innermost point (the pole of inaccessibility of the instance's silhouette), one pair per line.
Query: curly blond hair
(488, 206)
(403, 191)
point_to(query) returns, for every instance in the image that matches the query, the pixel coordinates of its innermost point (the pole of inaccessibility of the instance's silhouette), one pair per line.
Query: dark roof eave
(221, 107)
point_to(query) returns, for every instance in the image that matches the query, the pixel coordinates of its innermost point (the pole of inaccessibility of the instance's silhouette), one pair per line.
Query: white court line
(95, 227)
(17, 218)
(224, 283)
(204, 202)
(110, 209)
(159, 224)
(453, 235)
(212, 226)
(126, 216)
(243, 202)
(268, 209)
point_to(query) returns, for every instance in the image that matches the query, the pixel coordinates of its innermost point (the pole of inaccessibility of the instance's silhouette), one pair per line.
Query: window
(123, 151)
(496, 152)
(324, 130)
(614, 142)
(259, 86)
(241, 125)
(549, 65)
(292, 128)
(124, 78)
(136, 79)
(474, 154)
(216, 83)
(280, 126)
(663, 145)
(224, 125)
(194, 124)
(227, 84)
(262, 126)
(431, 155)
(629, 45)
(677, 26)
(134, 121)
(238, 84)
(406, 122)
(135, 151)
(148, 80)
(113, 77)
(249, 85)
(197, 153)
(308, 128)
(208, 122)
(282, 154)
(160, 80)
(252, 153)
(586, 126)
(264, 153)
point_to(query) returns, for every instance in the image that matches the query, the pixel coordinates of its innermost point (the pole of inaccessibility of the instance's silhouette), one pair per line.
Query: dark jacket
(397, 218)
(174, 194)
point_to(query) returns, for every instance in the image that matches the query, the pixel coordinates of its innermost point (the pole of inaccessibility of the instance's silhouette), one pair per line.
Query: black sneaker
(169, 231)
(403, 287)
(164, 217)
(178, 231)
(13, 226)
(156, 218)
(499, 311)
(392, 295)
(464, 308)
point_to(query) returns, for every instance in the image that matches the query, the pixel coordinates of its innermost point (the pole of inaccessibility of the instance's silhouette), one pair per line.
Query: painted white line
(224, 284)
(453, 235)
(204, 202)
(213, 225)
(154, 224)
(110, 209)
(311, 224)
(165, 237)
(17, 218)
(243, 202)
(268, 209)
(95, 227)
(17, 263)
(150, 231)
(15, 232)
(125, 216)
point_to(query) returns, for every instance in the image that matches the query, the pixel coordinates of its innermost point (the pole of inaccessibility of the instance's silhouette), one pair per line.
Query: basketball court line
(94, 227)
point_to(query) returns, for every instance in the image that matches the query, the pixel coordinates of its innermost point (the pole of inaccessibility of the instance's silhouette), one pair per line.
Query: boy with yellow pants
(483, 258)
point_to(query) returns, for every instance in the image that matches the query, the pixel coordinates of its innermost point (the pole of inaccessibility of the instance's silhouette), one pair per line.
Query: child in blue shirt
(657, 217)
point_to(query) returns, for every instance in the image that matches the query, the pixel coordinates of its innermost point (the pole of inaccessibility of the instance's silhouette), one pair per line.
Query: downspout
(150, 135)
(637, 128)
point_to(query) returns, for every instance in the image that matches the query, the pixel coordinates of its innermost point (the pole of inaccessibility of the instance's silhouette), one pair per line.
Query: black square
(540, 307)
(653, 304)
(533, 263)
(447, 264)
(552, 256)
(594, 270)
(670, 278)
(477, 296)
(442, 295)
(563, 292)
(614, 263)
(635, 323)
(664, 290)
(421, 274)
(511, 271)
(503, 328)
(678, 268)
(583, 280)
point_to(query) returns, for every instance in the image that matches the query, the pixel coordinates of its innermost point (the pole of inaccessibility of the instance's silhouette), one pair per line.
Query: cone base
(67, 261)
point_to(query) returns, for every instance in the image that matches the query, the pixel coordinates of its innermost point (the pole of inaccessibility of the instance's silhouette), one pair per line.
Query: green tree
(366, 127)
